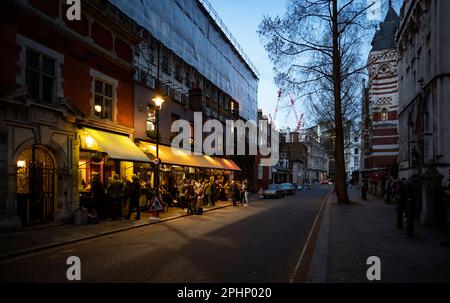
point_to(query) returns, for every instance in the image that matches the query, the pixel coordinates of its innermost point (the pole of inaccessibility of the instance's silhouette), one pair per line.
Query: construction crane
(273, 120)
(297, 118)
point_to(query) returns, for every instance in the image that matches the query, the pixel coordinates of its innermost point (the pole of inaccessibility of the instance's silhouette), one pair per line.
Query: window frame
(98, 76)
(384, 115)
(26, 44)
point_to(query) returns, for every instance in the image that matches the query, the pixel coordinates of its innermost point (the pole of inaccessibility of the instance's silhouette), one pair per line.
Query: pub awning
(177, 156)
(228, 164)
(118, 147)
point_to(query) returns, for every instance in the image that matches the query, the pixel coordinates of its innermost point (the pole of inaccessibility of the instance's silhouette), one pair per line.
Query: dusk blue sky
(242, 17)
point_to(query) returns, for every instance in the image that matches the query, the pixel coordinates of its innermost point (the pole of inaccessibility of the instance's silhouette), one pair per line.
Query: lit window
(384, 114)
(103, 99)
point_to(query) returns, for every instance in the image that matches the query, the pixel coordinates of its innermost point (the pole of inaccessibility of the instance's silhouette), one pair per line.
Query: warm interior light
(158, 101)
(89, 141)
(21, 163)
(98, 108)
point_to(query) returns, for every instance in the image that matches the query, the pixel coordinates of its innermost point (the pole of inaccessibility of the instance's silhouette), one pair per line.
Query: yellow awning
(228, 164)
(177, 156)
(118, 147)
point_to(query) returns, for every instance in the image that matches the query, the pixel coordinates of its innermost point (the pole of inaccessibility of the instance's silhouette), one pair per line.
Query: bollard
(410, 217)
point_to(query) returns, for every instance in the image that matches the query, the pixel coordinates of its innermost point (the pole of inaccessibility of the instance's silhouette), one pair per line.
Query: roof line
(208, 7)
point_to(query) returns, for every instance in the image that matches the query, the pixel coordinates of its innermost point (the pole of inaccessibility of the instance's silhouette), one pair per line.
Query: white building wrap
(186, 28)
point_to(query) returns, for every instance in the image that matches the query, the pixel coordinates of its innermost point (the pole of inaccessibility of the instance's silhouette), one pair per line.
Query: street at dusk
(274, 143)
(260, 243)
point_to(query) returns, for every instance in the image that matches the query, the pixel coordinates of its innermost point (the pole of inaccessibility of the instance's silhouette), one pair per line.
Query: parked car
(273, 191)
(288, 188)
(325, 182)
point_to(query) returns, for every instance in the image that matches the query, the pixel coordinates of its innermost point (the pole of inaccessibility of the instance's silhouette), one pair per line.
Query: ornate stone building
(423, 40)
(380, 105)
(58, 78)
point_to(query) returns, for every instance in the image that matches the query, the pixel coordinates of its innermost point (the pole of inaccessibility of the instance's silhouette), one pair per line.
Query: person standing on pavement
(400, 194)
(115, 192)
(234, 192)
(126, 192)
(246, 192)
(98, 192)
(135, 192)
(364, 189)
(388, 190)
(208, 193)
(200, 196)
(446, 244)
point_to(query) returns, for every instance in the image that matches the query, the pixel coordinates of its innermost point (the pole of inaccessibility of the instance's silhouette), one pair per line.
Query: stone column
(431, 188)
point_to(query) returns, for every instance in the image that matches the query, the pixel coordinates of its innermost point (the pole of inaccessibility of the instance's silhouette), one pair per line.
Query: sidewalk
(29, 240)
(349, 234)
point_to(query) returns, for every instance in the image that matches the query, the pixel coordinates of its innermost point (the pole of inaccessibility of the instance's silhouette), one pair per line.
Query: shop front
(102, 155)
(178, 164)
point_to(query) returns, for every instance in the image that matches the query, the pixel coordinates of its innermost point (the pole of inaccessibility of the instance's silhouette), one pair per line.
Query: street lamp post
(158, 102)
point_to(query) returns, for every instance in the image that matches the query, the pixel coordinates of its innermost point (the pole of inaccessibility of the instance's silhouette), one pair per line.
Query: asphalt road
(260, 243)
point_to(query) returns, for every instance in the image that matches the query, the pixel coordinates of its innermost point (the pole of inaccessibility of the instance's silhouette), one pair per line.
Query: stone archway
(36, 185)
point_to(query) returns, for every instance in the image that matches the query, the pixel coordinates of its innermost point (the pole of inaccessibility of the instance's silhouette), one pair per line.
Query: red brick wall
(379, 141)
(49, 7)
(124, 50)
(79, 26)
(9, 51)
(384, 132)
(392, 115)
(101, 36)
(383, 161)
(78, 59)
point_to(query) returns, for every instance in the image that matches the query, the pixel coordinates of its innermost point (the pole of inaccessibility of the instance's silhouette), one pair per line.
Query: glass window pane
(108, 109)
(47, 89)
(48, 65)
(108, 90)
(32, 81)
(98, 108)
(98, 86)
(32, 59)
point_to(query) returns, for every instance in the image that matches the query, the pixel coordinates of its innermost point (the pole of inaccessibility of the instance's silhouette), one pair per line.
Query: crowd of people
(110, 198)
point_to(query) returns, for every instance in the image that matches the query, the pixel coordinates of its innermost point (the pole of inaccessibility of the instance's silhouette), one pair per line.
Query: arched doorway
(36, 185)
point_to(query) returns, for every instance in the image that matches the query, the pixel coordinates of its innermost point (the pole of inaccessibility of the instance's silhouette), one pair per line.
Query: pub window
(40, 76)
(103, 106)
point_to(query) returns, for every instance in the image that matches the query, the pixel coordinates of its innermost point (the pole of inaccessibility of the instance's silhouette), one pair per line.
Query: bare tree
(315, 51)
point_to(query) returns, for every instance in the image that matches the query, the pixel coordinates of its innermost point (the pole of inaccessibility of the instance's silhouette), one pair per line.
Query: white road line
(299, 262)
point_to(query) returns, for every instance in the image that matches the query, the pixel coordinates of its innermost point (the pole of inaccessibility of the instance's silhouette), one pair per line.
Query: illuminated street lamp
(158, 100)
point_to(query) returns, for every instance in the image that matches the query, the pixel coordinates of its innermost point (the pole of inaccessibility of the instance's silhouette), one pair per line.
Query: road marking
(300, 260)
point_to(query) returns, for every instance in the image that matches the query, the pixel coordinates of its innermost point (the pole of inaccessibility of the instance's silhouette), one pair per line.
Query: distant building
(263, 173)
(380, 105)
(352, 152)
(424, 108)
(317, 162)
(293, 159)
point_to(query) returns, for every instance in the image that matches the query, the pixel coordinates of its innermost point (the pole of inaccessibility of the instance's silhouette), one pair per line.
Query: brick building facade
(58, 77)
(379, 108)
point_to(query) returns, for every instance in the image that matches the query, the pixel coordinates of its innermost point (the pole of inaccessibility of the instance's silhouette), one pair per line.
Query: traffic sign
(156, 204)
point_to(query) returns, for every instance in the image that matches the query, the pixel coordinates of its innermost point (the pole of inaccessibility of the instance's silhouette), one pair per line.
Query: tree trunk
(341, 188)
